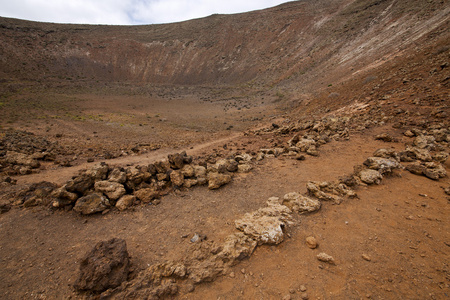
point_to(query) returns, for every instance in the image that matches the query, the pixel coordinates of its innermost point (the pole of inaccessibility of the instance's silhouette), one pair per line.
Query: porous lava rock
(106, 266)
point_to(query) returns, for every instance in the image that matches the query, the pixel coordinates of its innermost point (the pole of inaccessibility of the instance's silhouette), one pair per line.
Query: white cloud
(125, 12)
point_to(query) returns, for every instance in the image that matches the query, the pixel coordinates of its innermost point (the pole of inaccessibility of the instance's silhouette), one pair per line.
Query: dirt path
(61, 175)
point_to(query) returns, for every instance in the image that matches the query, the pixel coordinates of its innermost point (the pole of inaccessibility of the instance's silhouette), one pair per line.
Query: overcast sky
(125, 12)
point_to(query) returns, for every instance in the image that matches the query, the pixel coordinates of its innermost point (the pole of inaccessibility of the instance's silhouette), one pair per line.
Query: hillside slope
(267, 46)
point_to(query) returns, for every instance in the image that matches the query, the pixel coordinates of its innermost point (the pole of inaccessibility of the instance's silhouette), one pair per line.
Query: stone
(176, 161)
(243, 158)
(326, 258)
(244, 168)
(384, 137)
(434, 170)
(216, 180)
(266, 224)
(441, 157)
(387, 153)
(91, 204)
(113, 190)
(117, 175)
(447, 190)
(188, 171)
(416, 168)
(221, 165)
(162, 166)
(17, 158)
(366, 257)
(418, 153)
(198, 238)
(177, 178)
(200, 171)
(190, 182)
(237, 247)
(80, 184)
(370, 176)
(301, 204)
(98, 172)
(409, 133)
(312, 150)
(304, 144)
(381, 164)
(4, 208)
(134, 178)
(63, 197)
(146, 195)
(125, 202)
(314, 189)
(422, 141)
(162, 176)
(311, 242)
(106, 266)
(233, 166)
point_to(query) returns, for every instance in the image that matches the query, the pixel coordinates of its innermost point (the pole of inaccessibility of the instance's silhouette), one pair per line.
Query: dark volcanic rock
(176, 161)
(104, 267)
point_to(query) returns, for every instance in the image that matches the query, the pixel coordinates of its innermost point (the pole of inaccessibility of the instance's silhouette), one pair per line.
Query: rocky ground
(337, 189)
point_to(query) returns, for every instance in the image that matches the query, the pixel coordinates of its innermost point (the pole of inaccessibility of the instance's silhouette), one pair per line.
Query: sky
(125, 12)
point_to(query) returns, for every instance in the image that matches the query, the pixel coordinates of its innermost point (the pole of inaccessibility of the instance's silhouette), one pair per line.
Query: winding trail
(60, 175)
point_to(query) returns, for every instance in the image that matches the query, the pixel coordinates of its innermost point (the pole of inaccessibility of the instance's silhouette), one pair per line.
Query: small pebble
(311, 242)
(366, 257)
(303, 288)
(325, 258)
(305, 296)
(232, 275)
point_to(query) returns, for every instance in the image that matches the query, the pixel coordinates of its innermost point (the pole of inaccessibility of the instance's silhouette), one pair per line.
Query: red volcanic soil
(297, 98)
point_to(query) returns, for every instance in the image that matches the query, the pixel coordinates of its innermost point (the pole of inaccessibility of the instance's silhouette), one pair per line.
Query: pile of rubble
(22, 152)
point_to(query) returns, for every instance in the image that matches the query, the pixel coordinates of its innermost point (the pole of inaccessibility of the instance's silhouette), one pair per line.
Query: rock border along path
(266, 225)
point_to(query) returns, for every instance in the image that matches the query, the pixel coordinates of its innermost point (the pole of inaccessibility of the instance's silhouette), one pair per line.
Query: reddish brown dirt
(402, 225)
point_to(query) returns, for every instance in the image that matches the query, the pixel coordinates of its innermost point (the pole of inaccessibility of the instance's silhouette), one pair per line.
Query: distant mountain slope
(332, 38)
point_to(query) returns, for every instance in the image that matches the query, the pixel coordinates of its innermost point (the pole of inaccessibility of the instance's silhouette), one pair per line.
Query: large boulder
(113, 190)
(91, 204)
(104, 267)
